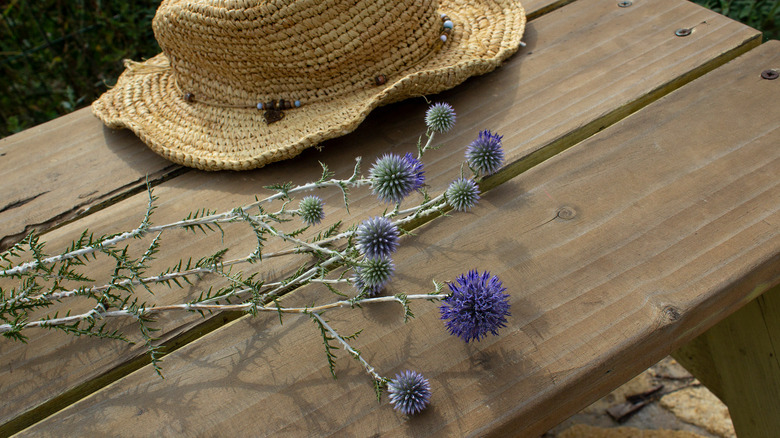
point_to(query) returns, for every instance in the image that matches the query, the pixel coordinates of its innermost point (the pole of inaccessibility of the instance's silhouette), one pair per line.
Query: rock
(697, 405)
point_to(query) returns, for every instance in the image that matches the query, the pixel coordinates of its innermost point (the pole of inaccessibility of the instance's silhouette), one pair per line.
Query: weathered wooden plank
(615, 253)
(738, 357)
(60, 170)
(599, 88)
(81, 166)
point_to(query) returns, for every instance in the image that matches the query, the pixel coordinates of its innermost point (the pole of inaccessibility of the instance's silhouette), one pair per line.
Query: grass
(57, 56)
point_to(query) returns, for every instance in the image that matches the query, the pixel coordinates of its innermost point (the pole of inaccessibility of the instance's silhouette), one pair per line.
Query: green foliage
(329, 348)
(193, 224)
(379, 386)
(58, 56)
(401, 298)
(759, 14)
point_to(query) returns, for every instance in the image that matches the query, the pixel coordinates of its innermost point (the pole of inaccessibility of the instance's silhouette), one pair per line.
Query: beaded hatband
(274, 109)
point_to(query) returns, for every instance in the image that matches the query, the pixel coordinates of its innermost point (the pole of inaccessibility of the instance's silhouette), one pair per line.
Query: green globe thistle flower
(462, 194)
(310, 209)
(394, 177)
(372, 275)
(440, 117)
(485, 155)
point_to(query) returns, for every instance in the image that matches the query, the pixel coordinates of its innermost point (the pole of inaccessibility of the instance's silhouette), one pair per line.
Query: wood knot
(566, 213)
(672, 313)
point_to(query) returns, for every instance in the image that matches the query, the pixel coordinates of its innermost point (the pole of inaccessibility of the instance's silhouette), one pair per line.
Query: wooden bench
(637, 216)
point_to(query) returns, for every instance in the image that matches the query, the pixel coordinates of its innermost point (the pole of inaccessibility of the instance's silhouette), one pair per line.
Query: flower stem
(145, 229)
(203, 306)
(354, 353)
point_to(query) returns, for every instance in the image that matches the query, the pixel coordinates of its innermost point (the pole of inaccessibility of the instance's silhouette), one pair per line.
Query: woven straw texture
(195, 103)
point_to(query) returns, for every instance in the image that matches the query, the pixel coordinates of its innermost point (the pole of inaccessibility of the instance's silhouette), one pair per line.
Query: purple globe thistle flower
(377, 237)
(394, 177)
(484, 154)
(417, 169)
(409, 392)
(440, 117)
(476, 306)
(372, 275)
(310, 209)
(462, 194)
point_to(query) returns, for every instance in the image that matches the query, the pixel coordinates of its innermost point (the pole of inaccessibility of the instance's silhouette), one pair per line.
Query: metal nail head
(625, 4)
(684, 32)
(770, 74)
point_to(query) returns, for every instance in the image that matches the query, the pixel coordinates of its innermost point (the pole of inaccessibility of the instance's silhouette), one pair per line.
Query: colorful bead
(443, 38)
(380, 80)
(278, 105)
(448, 24)
(189, 97)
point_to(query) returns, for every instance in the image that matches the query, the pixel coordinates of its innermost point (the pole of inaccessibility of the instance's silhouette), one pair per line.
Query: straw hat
(243, 83)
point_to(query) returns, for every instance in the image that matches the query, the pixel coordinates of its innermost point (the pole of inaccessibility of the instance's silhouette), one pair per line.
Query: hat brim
(148, 102)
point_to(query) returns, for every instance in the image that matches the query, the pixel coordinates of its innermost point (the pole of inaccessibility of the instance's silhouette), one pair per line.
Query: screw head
(684, 32)
(770, 74)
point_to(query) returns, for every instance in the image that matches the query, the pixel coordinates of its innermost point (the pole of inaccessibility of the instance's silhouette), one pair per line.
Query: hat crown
(241, 51)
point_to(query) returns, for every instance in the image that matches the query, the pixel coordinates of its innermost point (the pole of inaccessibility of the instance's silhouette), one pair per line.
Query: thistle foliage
(350, 263)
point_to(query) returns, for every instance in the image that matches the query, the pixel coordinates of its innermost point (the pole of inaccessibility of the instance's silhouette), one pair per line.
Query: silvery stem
(94, 313)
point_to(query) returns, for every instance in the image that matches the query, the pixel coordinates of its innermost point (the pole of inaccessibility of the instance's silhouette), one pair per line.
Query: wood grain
(738, 359)
(62, 169)
(537, 108)
(615, 253)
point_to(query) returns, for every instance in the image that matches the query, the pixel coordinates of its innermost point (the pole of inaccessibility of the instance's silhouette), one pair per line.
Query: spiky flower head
(476, 306)
(485, 154)
(310, 209)
(440, 117)
(462, 194)
(393, 177)
(417, 170)
(372, 275)
(377, 237)
(409, 392)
